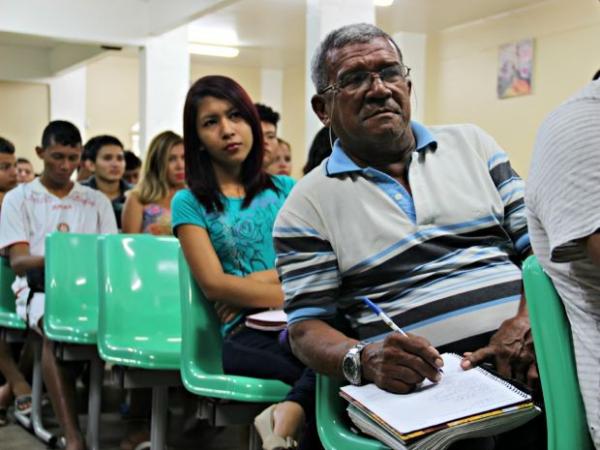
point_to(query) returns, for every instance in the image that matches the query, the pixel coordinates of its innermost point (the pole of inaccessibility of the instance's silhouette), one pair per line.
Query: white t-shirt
(29, 212)
(563, 206)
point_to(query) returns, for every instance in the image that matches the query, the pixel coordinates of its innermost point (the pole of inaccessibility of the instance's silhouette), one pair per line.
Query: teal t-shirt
(242, 238)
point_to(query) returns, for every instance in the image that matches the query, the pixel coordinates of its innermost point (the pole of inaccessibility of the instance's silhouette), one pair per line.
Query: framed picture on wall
(515, 68)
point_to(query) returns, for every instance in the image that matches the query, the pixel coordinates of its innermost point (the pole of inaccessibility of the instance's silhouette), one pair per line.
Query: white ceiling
(427, 16)
(272, 32)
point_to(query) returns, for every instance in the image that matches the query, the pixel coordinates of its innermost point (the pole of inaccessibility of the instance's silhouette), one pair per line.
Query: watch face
(350, 369)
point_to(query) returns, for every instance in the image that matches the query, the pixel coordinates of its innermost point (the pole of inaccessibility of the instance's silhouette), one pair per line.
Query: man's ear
(319, 106)
(39, 151)
(90, 165)
(409, 86)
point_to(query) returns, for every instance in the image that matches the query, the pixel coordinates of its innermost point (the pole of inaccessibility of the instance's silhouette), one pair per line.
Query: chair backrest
(71, 272)
(333, 422)
(565, 414)
(8, 315)
(199, 319)
(201, 361)
(140, 318)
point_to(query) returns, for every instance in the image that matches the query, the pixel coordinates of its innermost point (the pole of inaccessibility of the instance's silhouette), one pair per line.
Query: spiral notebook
(459, 398)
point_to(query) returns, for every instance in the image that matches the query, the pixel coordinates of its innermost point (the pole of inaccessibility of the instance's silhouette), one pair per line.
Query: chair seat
(333, 423)
(82, 332)
(11, 320)
(8, 315)
(144, 352)
(233, 387)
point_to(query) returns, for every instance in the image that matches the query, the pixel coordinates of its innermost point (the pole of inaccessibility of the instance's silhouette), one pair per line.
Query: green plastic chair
(140, 319)
(8, 315)
(201, 364)
(333, 423)
(565, 414)
(71, 309)
(139, 323)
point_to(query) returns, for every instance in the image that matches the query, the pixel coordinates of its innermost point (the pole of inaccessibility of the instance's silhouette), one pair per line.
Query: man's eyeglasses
(359, 80)
(7, 166)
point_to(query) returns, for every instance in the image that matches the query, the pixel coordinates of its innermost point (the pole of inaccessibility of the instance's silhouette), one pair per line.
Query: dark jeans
(259, 354)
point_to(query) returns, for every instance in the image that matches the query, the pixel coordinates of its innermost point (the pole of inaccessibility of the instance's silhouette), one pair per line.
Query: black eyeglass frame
(335, 85)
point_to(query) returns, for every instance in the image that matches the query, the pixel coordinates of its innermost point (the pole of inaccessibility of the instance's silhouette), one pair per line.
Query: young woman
(148, 206)
(224, 222)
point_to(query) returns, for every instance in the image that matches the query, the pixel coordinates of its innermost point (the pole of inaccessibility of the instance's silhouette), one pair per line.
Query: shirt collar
(339, 162)
(37, 186)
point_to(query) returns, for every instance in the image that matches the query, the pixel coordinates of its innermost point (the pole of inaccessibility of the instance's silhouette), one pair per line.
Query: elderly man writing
(426, 222)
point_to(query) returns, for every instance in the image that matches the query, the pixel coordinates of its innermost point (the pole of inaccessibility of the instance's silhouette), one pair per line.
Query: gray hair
(358, 33)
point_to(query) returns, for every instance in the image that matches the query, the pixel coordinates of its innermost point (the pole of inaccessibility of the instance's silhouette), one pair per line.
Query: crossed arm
(230, 293)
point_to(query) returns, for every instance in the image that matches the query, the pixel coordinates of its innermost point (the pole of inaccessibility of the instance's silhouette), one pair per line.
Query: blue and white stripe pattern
(440, 262)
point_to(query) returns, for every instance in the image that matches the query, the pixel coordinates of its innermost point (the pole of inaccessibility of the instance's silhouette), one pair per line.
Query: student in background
(319, 149)
(49, 203)
(8, 167)
(282, 161)
(25, 172)
(133, 167)
(107, 162)
(84, 171)
(268, 122)
(15, 382)
(148, 205)
(224, 222)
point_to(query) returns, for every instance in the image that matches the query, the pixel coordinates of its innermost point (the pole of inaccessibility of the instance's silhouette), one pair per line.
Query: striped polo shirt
(442, 262)
(563, 206)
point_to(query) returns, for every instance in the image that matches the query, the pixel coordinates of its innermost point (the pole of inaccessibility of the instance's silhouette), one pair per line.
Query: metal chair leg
(36, 394)
(158, 431)
(254, 442)
(94, 403)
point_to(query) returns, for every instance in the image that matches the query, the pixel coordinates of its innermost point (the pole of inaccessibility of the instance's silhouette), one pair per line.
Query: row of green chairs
(129, 306)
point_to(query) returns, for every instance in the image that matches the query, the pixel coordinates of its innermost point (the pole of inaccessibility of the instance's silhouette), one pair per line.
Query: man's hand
(512, 348)
(399, 363)
(225, 312)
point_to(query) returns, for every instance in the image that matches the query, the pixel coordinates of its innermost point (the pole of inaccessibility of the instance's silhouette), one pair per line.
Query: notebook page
(459, 394)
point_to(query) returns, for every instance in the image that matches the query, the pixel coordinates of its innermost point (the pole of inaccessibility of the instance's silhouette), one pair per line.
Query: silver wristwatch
(351, 366)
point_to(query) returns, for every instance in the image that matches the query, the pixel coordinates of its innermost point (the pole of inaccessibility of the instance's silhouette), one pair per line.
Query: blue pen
(386, 319)
(383, 316)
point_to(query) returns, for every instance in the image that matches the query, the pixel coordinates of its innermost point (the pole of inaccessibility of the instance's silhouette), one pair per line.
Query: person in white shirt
(48, 204)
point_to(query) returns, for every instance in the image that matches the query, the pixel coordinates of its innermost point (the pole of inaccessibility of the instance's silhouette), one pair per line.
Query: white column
(323, 16)
(414, 54)
(271, 92)
(164, 82)
(68, 98)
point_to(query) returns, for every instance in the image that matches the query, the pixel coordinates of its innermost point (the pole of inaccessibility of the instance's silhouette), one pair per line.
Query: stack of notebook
(270, 320)
(464, 404)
